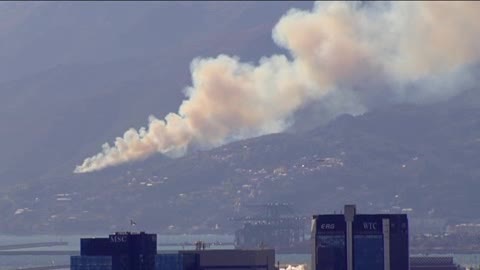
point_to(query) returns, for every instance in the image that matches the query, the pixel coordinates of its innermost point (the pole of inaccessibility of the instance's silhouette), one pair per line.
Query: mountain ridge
(354, 159)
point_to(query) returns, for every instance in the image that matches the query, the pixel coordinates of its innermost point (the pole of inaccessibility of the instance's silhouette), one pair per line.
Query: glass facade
(399, 243)
(376, 240)
(91, 263)
(169, 261)
(368, 244)
(368, 252)
(330, 243)
(165, 261)
(125, 250)
(331, 252)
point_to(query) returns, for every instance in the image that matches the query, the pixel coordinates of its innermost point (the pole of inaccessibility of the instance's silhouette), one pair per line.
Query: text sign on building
(367, 224)
(118, 238)
(328, 224)
(370, 226)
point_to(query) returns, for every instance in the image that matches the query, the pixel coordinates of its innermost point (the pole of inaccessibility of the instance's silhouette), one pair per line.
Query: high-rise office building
(120, 251)
(138, 251)
(351, 241)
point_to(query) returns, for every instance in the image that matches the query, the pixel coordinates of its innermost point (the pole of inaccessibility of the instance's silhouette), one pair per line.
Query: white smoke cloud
(346, 57)
(295, 267)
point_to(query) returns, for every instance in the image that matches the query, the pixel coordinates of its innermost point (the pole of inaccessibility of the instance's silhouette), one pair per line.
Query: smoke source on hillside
(346, 57)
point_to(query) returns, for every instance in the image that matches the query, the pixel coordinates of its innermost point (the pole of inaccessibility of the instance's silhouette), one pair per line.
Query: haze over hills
(419, 159)
(84, 74)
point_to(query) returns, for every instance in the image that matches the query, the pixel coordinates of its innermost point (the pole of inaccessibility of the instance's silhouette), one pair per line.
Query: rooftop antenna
(132, 224)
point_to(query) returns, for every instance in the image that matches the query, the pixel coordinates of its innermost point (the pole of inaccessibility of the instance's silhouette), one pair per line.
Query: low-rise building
(433, 263)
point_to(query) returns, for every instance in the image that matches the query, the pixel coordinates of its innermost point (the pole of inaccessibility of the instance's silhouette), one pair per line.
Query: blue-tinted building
(120, 251)
(91, 263)
(177, 261)
(360, 242)
(172, 261)
(330, 243)
(138, 251)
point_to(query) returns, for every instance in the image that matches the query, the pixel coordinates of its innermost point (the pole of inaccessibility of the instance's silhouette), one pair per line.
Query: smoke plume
(295, 267)
(346, 57)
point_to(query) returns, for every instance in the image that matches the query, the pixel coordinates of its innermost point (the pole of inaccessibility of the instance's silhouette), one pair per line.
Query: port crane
(272, 225)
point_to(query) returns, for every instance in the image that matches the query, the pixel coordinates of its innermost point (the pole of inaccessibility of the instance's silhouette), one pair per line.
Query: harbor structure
(273, 225)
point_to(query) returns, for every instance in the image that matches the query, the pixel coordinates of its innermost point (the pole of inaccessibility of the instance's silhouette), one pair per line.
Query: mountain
(74, 75)
(417, 159)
